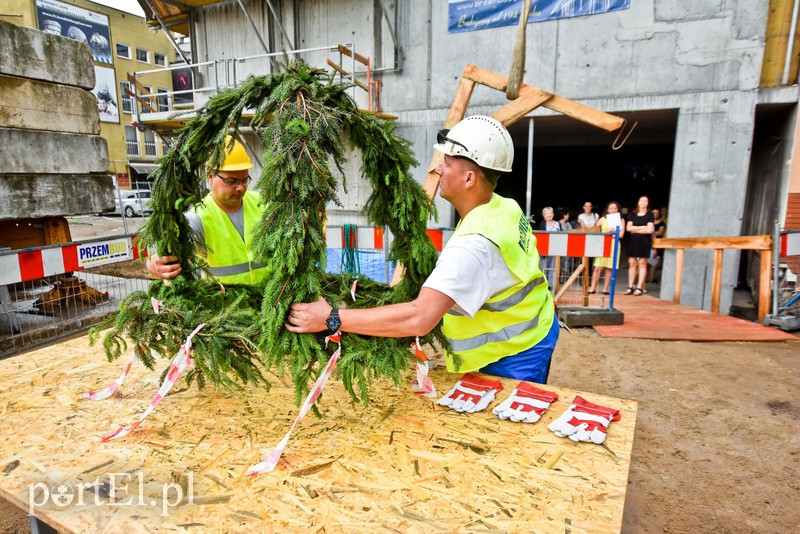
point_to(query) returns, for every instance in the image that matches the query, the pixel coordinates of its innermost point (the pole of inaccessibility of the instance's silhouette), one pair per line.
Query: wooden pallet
(402, 464)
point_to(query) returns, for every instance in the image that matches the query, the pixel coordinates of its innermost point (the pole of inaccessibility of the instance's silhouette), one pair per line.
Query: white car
(135, 202)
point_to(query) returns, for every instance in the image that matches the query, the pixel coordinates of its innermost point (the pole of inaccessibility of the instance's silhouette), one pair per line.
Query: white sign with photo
(105, 90)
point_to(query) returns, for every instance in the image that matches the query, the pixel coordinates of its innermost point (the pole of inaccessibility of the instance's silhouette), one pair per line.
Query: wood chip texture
(401, 464)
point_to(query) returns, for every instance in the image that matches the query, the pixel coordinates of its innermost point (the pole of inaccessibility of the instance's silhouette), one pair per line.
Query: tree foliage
(304, 121)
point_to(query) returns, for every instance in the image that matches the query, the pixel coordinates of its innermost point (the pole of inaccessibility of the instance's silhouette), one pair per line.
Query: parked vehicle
(136, 202)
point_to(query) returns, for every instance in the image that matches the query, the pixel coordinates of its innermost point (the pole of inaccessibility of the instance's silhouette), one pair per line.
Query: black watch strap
(333, 322)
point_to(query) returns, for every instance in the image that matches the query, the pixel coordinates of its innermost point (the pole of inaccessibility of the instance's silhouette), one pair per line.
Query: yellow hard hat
(236, 158)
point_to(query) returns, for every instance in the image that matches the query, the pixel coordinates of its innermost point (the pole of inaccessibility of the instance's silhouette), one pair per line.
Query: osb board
(648, 317)
(403, 464)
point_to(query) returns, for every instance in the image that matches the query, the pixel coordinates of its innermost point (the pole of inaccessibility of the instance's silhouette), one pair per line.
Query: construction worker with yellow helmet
(487, 285)
(223, 224)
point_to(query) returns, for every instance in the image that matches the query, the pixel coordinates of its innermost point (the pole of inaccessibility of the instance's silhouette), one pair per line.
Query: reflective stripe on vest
(515, 319)
(230, 259)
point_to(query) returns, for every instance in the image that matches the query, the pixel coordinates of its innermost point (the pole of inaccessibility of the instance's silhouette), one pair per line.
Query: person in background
(588, 219)
(606, 263)
(223, 225)
(664, 214)
(563, 219)
(656, 254)
(639, 228)
(548, 263)
(498, 313)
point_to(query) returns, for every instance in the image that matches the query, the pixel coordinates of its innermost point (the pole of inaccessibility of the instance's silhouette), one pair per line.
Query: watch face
(333, 323)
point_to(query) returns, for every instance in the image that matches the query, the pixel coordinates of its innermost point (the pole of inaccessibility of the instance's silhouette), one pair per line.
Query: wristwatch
(333, 322)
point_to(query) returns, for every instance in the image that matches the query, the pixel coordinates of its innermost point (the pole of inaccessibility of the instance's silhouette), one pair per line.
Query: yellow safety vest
(229, 257)
(513, 320)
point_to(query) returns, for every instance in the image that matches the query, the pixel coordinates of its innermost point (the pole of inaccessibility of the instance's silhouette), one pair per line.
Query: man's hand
(164, 268)
(307, 318)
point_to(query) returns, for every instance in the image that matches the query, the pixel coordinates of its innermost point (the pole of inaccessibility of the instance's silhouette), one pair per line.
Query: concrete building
(120, 43)
(713, 88)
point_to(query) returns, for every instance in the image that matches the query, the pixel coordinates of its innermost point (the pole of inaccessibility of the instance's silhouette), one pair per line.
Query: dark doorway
(574, 162)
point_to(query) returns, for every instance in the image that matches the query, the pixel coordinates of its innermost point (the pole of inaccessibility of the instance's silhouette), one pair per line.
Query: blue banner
(472, 15)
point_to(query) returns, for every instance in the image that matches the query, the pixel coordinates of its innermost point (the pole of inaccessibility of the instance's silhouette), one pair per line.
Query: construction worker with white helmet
(223, 224)
(487, 285)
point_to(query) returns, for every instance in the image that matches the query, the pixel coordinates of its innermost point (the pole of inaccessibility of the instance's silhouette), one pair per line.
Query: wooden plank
(678, 275)
(716, 284)
(515, 110)
(343, 72)
(653, 318)
(754, 242)
(764, 284)
(568, 107)
(401, 464)
(349, 53)
(143, 93)
(571, 281)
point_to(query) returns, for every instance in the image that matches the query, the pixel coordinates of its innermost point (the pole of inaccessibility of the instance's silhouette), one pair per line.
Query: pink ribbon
(422, 385)
(182, 361)
(271, 460)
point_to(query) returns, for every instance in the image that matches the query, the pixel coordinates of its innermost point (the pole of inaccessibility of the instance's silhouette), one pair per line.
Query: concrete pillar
(709, 183)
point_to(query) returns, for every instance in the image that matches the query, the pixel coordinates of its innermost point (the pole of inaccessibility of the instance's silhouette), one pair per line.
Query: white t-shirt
(470, 270)
(589, 221)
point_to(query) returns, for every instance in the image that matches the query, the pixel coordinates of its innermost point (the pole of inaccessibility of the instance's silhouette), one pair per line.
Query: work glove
(471, 394)
(526, 404)
(584, 421)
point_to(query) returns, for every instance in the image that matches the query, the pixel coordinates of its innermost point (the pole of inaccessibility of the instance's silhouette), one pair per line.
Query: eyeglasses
(441, 138)
(234, 183)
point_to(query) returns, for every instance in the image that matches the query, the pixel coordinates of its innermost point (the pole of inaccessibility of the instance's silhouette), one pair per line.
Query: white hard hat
(480, 138)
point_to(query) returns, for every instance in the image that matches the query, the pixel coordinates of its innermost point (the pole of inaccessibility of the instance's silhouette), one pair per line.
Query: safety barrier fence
(785, 289)
(53, 291)
(568, 263)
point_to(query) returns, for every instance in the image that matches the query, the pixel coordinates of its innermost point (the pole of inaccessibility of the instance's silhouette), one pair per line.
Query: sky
(129, 6)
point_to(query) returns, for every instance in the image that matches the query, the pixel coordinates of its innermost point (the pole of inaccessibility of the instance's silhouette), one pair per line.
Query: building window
(142, 55)
(123, 51)
(149, 143)
(127, 100)
(131, 141)
(160, 59)
(163, 100)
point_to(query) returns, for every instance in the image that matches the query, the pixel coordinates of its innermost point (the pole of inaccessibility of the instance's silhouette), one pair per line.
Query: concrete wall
(702, 58)
(44, 171)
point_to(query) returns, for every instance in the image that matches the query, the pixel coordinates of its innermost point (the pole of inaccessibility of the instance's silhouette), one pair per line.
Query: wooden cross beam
(530, 98)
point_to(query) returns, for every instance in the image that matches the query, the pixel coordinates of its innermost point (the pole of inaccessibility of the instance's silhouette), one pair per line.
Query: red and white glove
(471, 394)
(526, 404)
(584, 421)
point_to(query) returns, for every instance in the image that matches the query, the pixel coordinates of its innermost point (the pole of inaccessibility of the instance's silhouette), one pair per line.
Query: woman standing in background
(640, 229)
(612, 208)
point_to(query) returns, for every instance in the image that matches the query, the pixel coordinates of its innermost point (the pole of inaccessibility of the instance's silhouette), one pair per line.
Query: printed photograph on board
(105, 90)
(76, 23)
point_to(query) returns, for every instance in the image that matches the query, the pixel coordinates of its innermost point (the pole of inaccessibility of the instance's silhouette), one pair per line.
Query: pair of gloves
(582, 421)
(471, 394)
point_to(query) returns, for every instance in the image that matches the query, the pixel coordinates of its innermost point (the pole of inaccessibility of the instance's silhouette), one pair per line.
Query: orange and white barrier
(34, 263)
(790, 244)
(574, 244)
(370, 237)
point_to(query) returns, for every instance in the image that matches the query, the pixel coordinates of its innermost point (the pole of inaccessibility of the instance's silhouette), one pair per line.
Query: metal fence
(55, 291)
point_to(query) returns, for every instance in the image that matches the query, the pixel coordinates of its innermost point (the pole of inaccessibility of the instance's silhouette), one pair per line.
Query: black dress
(639, 244)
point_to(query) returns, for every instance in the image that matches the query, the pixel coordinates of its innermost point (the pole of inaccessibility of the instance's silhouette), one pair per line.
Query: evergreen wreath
(302, 118)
